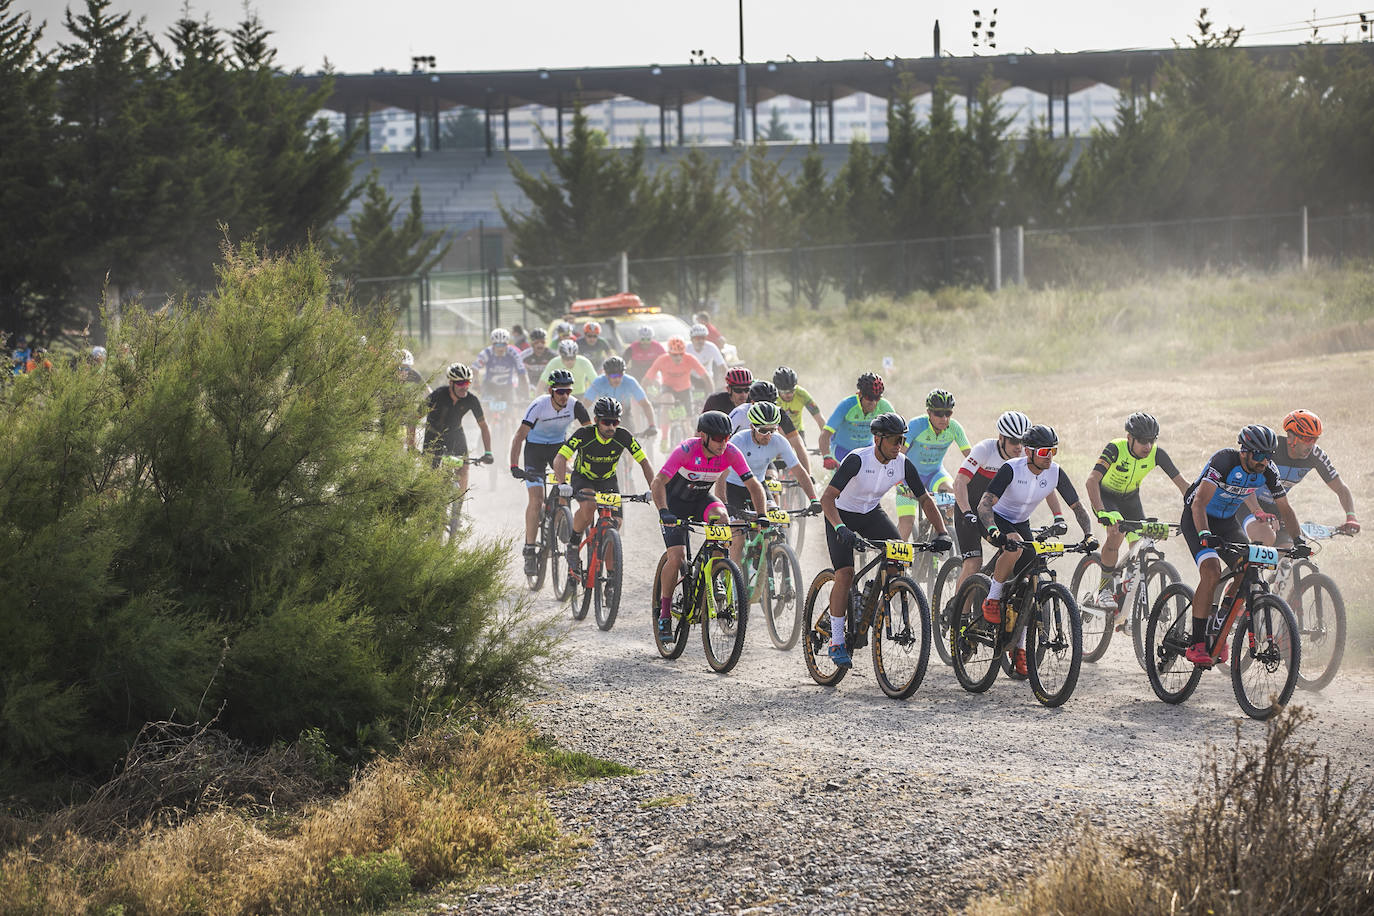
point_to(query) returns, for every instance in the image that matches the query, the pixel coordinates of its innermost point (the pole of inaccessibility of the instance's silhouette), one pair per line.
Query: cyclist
(569, 359)
(736, 392)
(593, 345)
(408, 377)
(927, 440)
(518, 338)
(674, 370)
(795, 400)
(707, 353)
(597, 451)
(851, 503)
(503, 369)
(971, 481)
(640, 355)
(848, 426)
(1005, 509)
(1114, 491)
(762, 447)
(1296, 454)
(562, 331)
(536, 356)
(1210, 510)
(682, 489)
(542, 433)
(762, 390)
(444, 420)
(614, 383)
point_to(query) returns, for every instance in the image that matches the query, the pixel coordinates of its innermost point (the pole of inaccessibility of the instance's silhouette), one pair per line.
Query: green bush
(371, 881)
(221, 521)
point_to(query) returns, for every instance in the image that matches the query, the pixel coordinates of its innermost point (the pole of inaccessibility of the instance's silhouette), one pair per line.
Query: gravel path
(764, 793)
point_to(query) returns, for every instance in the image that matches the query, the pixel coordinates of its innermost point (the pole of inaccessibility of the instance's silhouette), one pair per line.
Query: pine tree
(376, 247)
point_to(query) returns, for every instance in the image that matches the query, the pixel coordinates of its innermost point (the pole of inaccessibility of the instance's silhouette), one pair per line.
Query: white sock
(1021, 642)
(837, 630)
(995, 591)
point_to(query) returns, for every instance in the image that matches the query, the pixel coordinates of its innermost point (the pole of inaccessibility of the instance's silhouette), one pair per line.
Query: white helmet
(1013, 424)
(646, 332)
(500, 337)
(405, 357)
(97, 352)
(567, 347)
(562, 328)
(699, 330)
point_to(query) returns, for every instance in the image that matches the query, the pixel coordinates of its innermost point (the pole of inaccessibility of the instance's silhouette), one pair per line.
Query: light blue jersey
(760, 457)
(628, 390)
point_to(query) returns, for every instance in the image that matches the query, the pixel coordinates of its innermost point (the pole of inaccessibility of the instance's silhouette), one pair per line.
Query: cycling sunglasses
(611, 422)
(765, 430)
(942, 413)
(561, 391)
(616, 376)
(719, 438)
(462, 384)
(1261, 457)
(1045, 452)
(739, 389)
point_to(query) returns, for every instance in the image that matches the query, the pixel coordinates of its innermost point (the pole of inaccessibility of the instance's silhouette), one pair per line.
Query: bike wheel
(1054, 638)
(816, 637)
(1266, 655)
(1320, 611)
(671, 647)
(1167, 635)
(781, 590)
(1159, 575)
(973, 646)
(942, 607)
(901, 638)
(724, 613)
(579, 607)
(1097, 622)
(560, 528)
(606, 589)
(541, 547)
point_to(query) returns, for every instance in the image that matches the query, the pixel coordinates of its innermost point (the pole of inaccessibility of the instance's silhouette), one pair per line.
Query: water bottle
(870, 598)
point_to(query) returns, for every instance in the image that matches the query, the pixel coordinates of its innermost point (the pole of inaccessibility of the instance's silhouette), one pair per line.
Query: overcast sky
(359, 36)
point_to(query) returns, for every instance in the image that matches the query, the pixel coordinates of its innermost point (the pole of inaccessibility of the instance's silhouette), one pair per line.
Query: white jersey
(1019, 491)
(863, 480)
(982, 462)
(760, 457)
(549, 425)
(709, 355)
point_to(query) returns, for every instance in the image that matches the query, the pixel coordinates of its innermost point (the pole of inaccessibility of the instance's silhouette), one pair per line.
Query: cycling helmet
(699, 330)
(784, 378)
(939, 399)
(1303, 423)
(1257, 438)
(714, 423)
(871, 385)
(646, 332)
(567, 347)
(763, 390)
(500, 337)
(591, 327)
(1013, 424)
(887, 424)
(1040, 437)
(538, 334)
(613, 365)
(738, 377)
(677, 346)
(764, 413)
(1142, 426)
(403, 357)
(99, 353)
(562, 328)
(457, 372)
(560, 378)
(607, 408)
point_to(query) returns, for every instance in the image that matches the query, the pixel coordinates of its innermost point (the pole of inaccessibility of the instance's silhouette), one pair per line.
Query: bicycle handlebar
(864, 544)
(588, 495)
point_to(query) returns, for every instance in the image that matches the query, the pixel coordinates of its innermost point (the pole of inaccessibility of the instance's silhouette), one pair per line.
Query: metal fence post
(1020, 255)
(1302, 235)
(996, 258)
(624, 272)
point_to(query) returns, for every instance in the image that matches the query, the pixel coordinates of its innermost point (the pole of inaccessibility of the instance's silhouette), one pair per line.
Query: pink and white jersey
(691, 472)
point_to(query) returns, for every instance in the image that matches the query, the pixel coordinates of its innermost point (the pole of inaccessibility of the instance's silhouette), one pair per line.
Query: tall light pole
(741, 121)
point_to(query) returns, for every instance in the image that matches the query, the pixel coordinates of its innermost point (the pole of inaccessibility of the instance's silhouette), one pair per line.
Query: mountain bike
(1318, 606)
(773, 575)
(708, 590)
(789, 496)
(600, 578)
(452, 465)
(551, 537)
(1033, 603)
(1143, 574)
(888, 606)
(675, 417)
(1266, 650)
(929, 565)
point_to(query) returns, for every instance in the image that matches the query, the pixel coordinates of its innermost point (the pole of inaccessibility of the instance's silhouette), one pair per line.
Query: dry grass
(1272, 829)
(458, 801)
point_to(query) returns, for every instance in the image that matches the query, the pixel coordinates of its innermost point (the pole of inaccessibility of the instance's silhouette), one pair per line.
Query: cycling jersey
(691, 472)
(596, 456)
(739, 416)
(1019, 489)
(596, 350)
(759, 457)
(863, 480)
(444, 422)
(848, 424)
(549, 425)
(628, 390)
(640, 355)
(926, 446)
(720, 400)
(583, 372)
(504, 370)
(801, 402)
(676, 374)
(1234, 483)
(534, 364)
(1291, 470)
(708, 355)
(1122, 472)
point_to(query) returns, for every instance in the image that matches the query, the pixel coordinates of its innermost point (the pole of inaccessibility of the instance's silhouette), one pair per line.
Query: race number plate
(900, 551)
(550, 479)
(722, 533)
(1266, 557)
(779, 516)
(1155, 531)
(1317, 532)
(608, 499)
(1049, 548)
(773, 486)
(496, 406)
(942, 498)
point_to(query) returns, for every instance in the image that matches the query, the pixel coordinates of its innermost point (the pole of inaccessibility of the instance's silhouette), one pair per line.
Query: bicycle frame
(608, 514)
(1243, 582)
(698, 565)
(892, 560)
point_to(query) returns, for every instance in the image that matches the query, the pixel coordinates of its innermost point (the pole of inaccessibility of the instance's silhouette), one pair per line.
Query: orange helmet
(677, 345)
(1303, 423)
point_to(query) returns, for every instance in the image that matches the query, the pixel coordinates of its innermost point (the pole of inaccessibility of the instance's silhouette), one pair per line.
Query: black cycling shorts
(873, 524)
(694, 508)
(538, 458)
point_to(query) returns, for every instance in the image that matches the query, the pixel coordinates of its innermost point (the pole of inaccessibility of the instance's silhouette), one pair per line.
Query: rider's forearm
(985, 511)
(658, 490)
(1344, 495)
(1094, 488)
(516, 441)
(760, 498)
(560, 469)
(486, 436)
(803, 480)
(1085, 521)
(961, 493)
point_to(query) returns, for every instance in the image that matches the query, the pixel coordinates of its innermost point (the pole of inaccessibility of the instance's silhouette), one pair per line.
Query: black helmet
(887, 424)
(939, 399)
(607, 408)
(560, 378)
(538, 334)
(613, 365)
(714, 423)
(1256, 438)
(763, 390)
(1142, 426)
(784, 378)
(1040, 437)
(870, 385)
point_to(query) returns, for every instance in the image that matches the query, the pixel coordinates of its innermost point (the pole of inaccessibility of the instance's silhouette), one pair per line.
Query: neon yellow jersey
(802, 402)
(1124, 472)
